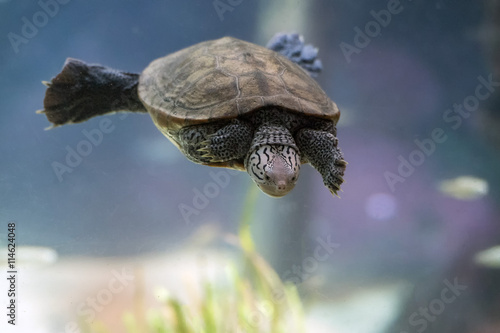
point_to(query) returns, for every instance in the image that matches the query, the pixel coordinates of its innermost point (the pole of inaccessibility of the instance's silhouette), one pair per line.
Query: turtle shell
(223, 79)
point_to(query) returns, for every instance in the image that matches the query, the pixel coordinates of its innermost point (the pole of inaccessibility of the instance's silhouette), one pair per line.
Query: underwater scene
(250, 166)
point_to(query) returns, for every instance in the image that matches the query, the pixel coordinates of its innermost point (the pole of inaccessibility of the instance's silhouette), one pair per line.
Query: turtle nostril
(281, 186)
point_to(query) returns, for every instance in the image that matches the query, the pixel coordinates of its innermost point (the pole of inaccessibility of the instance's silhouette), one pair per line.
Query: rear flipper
(292, 46)
(83, 91)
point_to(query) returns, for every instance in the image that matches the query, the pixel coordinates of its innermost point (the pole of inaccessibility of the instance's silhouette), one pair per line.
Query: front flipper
(206, 144)
(292, 46)
(320, 149)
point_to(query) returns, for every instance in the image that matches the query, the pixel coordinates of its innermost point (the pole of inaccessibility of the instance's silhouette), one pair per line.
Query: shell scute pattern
(225, 79)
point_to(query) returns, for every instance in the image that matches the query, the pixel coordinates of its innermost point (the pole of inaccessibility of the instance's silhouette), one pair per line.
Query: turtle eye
(293, 178)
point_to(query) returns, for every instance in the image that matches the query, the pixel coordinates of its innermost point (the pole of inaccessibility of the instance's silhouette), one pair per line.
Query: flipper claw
(204, 150)
(207, 152)
(50, 127)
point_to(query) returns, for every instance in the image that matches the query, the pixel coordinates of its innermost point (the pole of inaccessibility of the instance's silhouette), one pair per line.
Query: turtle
(223, 103)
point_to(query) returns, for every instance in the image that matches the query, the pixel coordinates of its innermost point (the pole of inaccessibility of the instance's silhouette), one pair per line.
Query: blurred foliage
(254, 300)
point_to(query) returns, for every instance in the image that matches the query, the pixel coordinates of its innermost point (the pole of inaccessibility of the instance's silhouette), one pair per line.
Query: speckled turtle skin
(225, 79)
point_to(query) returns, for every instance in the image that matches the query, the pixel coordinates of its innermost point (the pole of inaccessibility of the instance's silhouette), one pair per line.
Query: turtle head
(274, 168)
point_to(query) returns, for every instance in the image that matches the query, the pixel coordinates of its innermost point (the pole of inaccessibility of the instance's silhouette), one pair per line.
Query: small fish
(464, 187)
(32, 256)
(489, 258)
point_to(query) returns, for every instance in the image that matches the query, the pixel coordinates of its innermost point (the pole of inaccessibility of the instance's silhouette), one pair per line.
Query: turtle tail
(82, 91)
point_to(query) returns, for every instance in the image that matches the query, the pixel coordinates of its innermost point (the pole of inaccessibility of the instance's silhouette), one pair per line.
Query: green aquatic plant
(254, 299)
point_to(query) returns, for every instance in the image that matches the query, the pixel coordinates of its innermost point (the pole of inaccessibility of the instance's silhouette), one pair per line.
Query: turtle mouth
(276, 191)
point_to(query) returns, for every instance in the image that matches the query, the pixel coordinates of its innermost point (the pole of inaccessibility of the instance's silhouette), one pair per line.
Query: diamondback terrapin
(223, 103)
